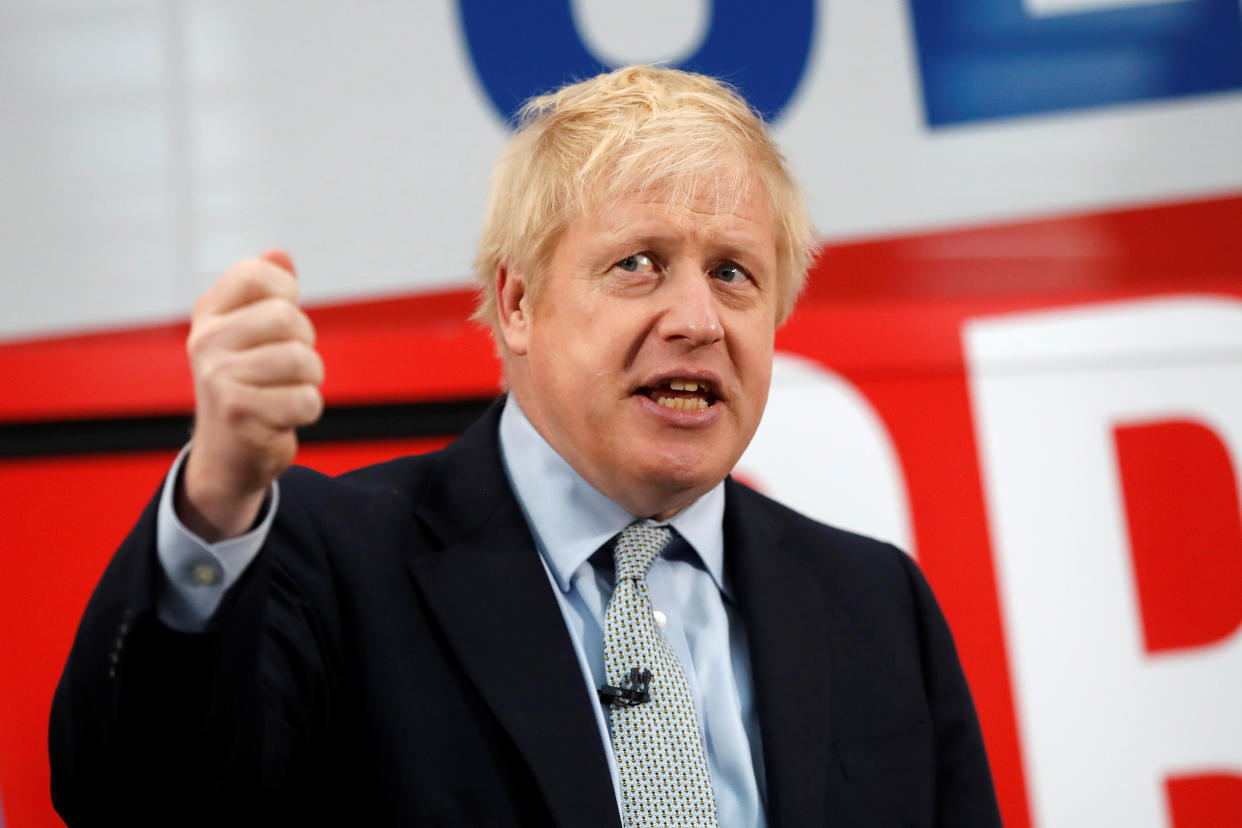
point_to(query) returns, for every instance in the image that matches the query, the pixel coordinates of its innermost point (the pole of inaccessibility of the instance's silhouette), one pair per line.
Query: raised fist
(256, 379)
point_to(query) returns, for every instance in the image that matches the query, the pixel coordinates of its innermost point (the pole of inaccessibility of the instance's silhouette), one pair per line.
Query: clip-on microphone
(637, 691)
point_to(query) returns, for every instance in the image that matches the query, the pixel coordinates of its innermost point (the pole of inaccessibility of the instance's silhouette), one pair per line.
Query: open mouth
(681, 394)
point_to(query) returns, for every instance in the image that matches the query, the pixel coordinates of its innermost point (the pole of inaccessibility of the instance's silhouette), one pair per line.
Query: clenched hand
(256, 379)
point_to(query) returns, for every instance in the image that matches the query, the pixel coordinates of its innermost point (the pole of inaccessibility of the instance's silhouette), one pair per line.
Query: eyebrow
(739, 240)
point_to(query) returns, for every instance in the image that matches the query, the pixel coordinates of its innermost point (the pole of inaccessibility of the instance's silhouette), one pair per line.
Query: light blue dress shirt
(570, 521)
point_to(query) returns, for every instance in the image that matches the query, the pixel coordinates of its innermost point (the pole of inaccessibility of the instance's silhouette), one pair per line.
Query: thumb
(281, 259)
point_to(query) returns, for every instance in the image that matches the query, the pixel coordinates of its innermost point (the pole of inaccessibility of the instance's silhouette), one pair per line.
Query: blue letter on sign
(520, 49)
(983, 59)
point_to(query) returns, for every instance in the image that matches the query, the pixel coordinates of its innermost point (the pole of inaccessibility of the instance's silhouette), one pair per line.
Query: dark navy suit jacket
(396, 656)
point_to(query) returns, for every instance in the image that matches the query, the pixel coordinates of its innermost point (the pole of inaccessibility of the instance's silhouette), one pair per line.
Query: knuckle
(282, 282)
(315, 368)
(266, 279)
(194, 342)
(211, 327)
(249, 273)
(305, 362)
(311, 334)
(312, 403)
(284, 315)
(201, 337)
(300, 326)
(210, 368)
(252, 280)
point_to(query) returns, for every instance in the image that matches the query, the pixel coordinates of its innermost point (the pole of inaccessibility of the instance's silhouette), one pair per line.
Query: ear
(512, 309)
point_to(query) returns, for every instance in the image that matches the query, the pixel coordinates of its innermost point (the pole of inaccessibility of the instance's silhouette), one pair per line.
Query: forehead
(726, 206)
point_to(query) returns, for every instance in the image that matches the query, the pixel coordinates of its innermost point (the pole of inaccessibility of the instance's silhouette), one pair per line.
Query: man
(571, 615)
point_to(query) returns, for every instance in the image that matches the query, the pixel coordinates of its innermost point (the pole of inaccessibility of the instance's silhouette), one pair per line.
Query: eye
(635, 263)
(729, 272)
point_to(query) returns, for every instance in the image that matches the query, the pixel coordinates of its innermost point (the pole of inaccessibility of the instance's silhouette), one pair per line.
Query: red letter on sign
(1206, 800)
(1181, 501)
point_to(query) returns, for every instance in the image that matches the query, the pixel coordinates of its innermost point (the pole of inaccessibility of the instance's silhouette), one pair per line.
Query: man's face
(646, 358)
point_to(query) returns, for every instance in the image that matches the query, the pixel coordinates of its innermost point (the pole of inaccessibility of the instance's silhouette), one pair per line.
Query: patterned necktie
(664, 777)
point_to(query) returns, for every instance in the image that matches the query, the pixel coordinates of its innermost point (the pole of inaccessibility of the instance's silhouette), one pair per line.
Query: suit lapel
(492, 596)
(784, 612)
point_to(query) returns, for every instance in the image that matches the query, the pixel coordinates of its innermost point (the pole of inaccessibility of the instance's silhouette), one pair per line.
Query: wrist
(211, 511)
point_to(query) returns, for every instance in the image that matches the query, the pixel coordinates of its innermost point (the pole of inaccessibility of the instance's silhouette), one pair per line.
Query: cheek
(753, 359)
(558, 344)
(573, 374)
(755, 387)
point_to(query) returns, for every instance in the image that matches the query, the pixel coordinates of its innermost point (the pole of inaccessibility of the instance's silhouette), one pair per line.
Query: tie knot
(637, 547)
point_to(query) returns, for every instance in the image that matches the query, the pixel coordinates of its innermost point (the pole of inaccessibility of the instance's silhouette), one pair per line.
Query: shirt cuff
(197, 574)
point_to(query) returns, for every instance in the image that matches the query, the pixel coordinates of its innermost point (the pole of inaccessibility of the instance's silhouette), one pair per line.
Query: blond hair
(637, 129)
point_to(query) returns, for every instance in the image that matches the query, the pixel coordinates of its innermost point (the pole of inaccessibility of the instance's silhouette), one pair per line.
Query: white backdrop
(146, 144)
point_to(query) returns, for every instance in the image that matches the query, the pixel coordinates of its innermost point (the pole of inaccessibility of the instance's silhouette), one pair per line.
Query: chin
(681, 475)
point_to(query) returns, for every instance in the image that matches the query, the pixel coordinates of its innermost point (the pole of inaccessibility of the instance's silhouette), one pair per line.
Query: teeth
(683, 385)
(680, 404)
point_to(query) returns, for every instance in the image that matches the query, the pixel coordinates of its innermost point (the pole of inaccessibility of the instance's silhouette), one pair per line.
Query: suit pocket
(899, 750)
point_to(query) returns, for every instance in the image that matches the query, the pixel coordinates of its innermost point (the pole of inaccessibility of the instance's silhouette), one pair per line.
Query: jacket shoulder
(809, 538)
(857, 573)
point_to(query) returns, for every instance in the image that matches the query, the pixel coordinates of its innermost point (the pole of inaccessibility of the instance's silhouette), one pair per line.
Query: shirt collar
(570, 519)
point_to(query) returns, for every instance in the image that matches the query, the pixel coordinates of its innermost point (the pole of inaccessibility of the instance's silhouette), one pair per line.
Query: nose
(692, 314)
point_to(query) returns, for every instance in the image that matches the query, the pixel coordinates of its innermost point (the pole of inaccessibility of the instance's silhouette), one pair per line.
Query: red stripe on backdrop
(420, 347)
(380, 350)
(1155, 248)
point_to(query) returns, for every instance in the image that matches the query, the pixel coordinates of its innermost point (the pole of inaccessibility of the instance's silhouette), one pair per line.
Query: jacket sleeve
(154, 726)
